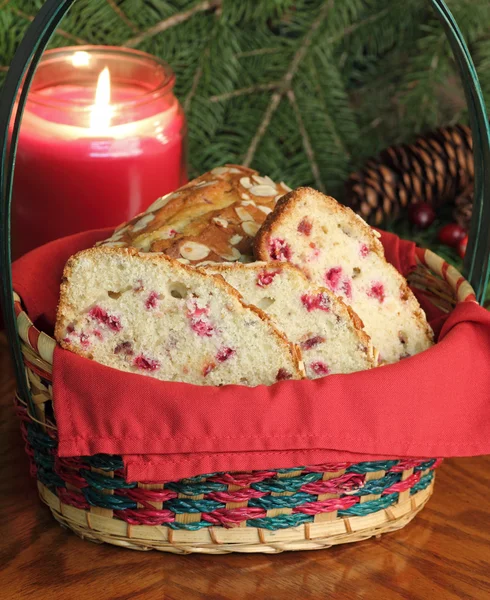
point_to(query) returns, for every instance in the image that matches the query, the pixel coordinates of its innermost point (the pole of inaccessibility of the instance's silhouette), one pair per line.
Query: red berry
(279, 250)
(421, 214)
(451, 234)
(266, 277)
(225, 354)
(364, 250)
(332, 277)
(377, 291)
(314, 341)
(152, 301)
(99, 314)
(319, 368)
(282, 374)
(305, 226)
(320, 301)
(462, 246)
(146, 364)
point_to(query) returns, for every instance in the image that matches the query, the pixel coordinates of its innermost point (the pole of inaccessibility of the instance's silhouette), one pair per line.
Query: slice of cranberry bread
(149, 314)
(328, 332)
(337, 249)
(214, 217)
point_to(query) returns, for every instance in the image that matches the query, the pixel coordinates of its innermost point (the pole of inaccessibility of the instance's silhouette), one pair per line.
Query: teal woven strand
(269, 502)
(195, 489)
(423, 483)
(286, 484)
(360, 510)
(281, 521)
(39, 439)
(101, 482)
(104, 462)
(284, 471)
(184, 505)
(49, 479)
(188, 526)
(426, 465)
(200, 478)
(371, 467)
(96, 498)
(45, 461)
(378, 486)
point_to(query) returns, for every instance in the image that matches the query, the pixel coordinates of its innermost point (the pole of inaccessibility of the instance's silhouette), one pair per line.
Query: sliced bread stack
(148, 314)
(334, 247)
(167, 297)
(329, 333)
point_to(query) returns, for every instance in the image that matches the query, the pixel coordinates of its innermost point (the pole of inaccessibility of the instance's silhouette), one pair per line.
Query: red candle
(101, 138)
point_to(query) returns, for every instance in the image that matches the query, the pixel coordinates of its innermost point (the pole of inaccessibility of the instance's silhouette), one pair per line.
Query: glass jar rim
(163, 87)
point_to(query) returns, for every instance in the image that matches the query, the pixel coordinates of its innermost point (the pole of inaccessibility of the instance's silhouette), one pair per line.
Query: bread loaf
(149, 314)
(335, 248)
(214, 218)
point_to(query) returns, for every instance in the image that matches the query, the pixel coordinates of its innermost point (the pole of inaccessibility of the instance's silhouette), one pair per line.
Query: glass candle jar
(102, 136)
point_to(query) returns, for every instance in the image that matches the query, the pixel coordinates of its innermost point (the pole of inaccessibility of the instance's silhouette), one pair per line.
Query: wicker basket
(262, 511)
(265, 511)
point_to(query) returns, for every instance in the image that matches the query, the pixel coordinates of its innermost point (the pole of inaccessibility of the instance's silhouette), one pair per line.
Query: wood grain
(443, 554)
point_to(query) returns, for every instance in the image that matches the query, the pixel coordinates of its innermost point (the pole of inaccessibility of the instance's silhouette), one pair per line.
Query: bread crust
(65, 307)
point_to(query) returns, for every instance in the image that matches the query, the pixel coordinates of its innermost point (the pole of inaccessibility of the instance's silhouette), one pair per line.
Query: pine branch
(286, 81)
(175, 19)
(306, 142)
(271, 109)
(261, 87)
(258, 52)
(120, 13)
(195, 82)
(59, 31)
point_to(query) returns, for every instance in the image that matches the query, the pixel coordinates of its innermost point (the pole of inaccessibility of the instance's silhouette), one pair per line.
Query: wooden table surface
(443, 554)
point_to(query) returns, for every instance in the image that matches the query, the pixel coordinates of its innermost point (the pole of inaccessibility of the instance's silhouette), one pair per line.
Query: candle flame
(100, 118)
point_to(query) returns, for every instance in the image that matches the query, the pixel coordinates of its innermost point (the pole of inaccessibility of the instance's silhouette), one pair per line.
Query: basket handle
(22, 71)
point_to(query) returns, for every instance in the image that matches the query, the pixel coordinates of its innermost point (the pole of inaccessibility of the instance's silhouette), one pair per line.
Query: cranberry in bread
(328, 332)
(335, 248)
(149, 314)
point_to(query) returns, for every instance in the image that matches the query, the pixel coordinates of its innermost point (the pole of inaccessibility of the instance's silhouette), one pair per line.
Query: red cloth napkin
(433, 404)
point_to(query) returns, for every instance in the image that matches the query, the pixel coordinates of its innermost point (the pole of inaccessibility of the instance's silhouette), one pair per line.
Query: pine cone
(463, 207)
(436, 169)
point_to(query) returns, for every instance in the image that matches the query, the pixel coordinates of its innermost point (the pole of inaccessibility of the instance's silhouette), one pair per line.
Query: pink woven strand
(242, 479)
(408, 463)
(72, 498)
(402, 486)
(70, 463)
(71, 477)
(145, 496)
(348, 482)
(238, 496)
(314, 508)
(145, 517)
(233, 516)
(328, 467)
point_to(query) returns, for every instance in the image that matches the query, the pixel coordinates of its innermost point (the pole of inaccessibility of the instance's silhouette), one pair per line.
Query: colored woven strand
(289, 484)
